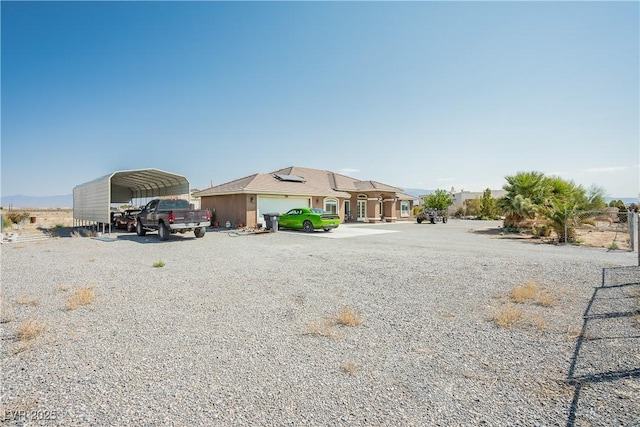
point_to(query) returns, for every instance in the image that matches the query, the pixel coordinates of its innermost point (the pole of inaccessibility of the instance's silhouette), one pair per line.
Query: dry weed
(538, 322)
(27, 301)
(7, 315)
(574, 332)
(350, 368)
(324, 329)
(24, 346)
(30, 329)
(545, 299)
(525, 293)
(64, 288)
(84, 296)
(348, 317)
(507, 317)
(532, 292)
(634, 293)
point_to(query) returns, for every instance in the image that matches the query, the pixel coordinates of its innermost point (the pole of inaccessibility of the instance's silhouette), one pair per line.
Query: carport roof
(146, 183)
(145, 180)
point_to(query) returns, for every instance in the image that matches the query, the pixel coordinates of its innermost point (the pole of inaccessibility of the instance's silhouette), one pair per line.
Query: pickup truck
(170, 216)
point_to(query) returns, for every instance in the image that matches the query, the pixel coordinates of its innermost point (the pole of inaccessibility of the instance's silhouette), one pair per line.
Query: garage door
(279, 204)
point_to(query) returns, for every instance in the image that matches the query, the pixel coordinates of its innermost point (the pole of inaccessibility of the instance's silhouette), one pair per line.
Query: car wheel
(199, 232)
(444, 220)
(307, 226)
(163, 232)
(419, 220)
(326, 229)
(433, 220)
(139, 230)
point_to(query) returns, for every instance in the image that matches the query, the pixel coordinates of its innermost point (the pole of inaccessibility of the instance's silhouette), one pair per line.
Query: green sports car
(308, 219)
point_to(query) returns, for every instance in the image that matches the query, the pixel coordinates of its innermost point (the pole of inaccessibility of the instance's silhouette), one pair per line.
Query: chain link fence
(607, 228)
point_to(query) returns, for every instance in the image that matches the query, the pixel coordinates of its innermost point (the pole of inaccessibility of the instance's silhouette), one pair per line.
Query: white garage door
(279, 204)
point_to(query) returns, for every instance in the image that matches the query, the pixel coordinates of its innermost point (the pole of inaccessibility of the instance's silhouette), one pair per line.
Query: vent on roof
(289, 178)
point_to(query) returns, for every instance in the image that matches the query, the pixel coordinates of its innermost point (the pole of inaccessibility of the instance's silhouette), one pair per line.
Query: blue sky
(413, 94)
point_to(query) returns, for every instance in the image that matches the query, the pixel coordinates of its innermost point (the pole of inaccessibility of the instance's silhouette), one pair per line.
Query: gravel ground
(241, 330)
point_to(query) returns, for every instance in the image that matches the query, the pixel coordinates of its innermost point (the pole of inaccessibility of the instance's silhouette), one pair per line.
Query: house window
(404, 208)
(331, 206)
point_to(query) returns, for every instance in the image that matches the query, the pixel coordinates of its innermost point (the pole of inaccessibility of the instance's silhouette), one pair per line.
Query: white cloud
(608, 169)
(445, 179)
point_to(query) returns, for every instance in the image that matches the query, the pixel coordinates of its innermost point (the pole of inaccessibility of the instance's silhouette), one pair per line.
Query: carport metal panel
(92, 200)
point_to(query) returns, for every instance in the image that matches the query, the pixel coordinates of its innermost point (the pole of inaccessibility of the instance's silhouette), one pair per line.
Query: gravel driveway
(243, 330)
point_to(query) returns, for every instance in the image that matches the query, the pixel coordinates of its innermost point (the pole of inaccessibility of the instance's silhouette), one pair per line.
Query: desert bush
(30, 329)
(6, 222)
(17, 217)
(507, 317)
(532, 292)
(349, 368)
(159, 264)
(323, 329)
(84, 296)
(348, 317)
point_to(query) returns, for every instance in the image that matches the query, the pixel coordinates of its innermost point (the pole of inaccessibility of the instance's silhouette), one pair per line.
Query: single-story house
(245, 200)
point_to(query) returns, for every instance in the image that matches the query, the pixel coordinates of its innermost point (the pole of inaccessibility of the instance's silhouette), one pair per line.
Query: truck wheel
(163, 232)
(419, 220)
(307, 226)
(139, 230)
(199, 232)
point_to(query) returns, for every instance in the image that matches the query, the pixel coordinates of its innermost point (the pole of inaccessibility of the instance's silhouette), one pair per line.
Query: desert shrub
(348, 317)
(30, 329)
(84, 296)
(17, 217)
(6, 222)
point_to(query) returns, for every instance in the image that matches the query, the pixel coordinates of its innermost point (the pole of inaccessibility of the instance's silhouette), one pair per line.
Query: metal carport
(92, 200)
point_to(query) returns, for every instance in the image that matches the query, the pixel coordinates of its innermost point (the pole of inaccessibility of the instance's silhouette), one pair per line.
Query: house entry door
(362, 210)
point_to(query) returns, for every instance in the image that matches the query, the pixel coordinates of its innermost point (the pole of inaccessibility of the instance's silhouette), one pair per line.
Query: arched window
(331, 206)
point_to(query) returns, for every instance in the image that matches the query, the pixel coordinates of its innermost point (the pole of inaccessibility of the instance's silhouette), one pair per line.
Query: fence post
(637, 214)
(632, 226)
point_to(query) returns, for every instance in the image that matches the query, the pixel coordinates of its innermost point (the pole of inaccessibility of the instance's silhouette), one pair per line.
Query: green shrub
(6, 222)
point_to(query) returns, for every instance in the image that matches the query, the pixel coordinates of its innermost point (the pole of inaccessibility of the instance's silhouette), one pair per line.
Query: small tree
(487, 205)
(440, 200)
(472, 206)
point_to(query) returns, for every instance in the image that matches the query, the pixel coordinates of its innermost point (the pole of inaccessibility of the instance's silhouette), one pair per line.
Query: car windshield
(318, 211)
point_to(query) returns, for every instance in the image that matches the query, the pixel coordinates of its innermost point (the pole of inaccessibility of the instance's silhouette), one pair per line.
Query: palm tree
(516, 209)
(529, 185)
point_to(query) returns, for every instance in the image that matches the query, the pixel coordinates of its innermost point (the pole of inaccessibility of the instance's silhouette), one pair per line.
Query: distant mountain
(21, 201)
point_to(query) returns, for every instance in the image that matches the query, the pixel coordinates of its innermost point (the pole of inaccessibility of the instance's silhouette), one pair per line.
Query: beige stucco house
(245, 200)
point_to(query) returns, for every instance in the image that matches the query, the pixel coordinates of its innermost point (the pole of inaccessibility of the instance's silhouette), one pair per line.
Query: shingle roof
(317, 182)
